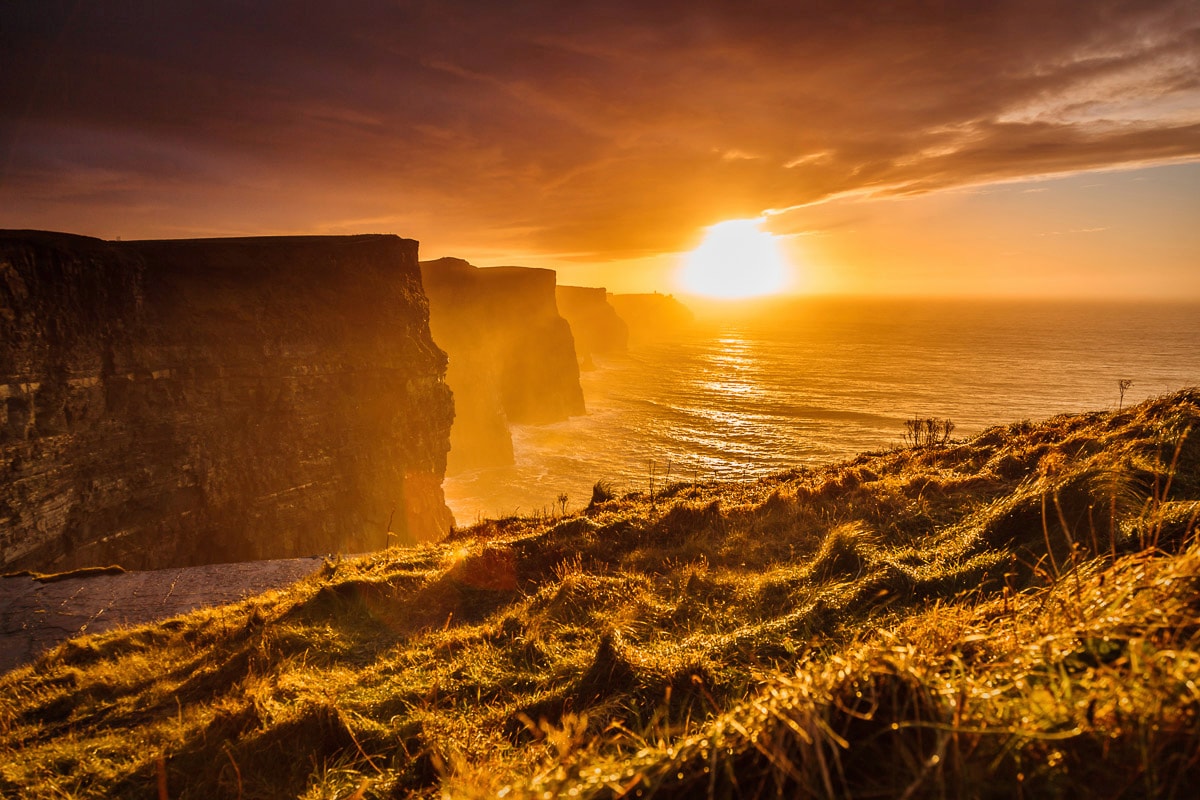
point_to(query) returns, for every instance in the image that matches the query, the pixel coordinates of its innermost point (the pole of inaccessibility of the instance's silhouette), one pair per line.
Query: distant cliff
(512, 357)
(651, 315)
(184, 402)
(594, 322)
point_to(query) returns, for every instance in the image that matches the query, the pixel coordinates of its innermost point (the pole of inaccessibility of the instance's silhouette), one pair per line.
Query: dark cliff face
(597, 328)
(512, 357)
(186, 402)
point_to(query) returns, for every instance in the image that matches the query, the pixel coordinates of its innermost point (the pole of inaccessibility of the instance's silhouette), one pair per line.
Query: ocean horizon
(807, 381)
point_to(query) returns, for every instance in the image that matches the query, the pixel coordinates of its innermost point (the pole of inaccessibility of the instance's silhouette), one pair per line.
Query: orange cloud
(614, 129)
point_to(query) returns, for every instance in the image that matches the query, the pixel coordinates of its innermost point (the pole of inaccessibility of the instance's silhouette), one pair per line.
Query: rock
(512, 357)
(594, 322)
(171, 403)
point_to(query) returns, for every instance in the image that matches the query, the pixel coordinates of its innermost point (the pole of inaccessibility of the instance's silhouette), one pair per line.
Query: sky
(996, 148)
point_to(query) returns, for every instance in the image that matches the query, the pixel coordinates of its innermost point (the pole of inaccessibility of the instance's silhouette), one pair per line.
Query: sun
(736, 259)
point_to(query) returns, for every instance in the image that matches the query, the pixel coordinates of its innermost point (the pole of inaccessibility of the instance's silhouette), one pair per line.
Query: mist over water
(806, 382)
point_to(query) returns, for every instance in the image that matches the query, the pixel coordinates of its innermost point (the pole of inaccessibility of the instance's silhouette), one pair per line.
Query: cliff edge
(171, 403)
(512, 357)
(597, 328)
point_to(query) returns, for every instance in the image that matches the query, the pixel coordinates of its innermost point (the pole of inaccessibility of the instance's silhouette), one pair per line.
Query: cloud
(613, 129)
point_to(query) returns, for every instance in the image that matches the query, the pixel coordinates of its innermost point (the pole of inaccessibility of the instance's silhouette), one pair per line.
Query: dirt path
(35, 616)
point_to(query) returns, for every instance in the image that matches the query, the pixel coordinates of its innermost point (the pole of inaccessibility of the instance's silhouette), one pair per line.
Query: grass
(1013, 616)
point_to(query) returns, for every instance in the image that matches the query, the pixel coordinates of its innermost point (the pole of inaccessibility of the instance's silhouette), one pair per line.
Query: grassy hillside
(1017, 615)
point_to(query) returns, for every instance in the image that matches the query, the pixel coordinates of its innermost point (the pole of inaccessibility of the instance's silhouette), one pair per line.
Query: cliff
(594, 322)
(185, 402)
(512, 357)
(651, 315)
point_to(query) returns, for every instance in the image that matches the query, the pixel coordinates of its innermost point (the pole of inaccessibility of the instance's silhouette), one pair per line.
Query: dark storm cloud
(611, 128)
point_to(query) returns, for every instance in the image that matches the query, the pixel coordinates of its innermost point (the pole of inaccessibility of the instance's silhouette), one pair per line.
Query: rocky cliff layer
(186, 402)
(594, 322)
(512, 357)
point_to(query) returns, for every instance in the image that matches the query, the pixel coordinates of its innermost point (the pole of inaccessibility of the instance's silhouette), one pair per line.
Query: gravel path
(35, 616)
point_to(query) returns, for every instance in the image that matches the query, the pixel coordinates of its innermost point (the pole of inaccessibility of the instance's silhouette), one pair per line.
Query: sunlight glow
(735, 260)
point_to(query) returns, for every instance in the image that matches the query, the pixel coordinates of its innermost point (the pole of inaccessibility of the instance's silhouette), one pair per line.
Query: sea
(757, 389)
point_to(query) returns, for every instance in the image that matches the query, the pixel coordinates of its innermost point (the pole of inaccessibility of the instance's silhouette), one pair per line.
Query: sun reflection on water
(728, 387)
(741, 401)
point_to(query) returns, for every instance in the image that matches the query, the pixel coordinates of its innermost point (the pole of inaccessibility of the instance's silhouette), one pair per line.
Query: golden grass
(1018, 615)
